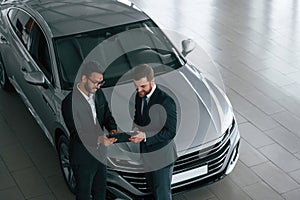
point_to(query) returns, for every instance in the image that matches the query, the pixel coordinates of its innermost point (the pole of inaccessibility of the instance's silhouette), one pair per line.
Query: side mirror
(35, 78)
(188, 46)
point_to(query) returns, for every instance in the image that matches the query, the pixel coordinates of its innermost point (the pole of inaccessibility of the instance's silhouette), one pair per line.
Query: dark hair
(90, 67)
(143, 70)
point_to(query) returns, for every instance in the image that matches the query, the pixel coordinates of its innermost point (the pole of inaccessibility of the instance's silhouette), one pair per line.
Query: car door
(38, 96)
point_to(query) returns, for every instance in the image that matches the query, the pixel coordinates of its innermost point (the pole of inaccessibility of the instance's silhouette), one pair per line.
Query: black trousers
(90, 181)
(160, 182)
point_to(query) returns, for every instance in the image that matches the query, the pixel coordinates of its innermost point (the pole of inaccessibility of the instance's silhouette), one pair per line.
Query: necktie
(144, 106)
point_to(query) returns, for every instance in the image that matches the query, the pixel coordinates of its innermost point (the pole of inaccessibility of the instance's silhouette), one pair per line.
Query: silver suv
(43, 44)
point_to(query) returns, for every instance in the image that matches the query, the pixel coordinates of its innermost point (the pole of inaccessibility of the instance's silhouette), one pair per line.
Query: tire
(63, 152)
(4, 82)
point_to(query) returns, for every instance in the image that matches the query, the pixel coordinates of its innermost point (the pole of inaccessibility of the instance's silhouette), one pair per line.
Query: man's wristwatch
(98, 145)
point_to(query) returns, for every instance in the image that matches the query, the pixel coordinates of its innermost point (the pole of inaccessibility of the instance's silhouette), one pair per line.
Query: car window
(38, 49)
(33, 39)
(21, 23)
(151, 44)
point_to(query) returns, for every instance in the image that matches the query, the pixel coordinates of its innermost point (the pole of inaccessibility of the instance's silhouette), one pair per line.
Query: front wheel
(64, 161)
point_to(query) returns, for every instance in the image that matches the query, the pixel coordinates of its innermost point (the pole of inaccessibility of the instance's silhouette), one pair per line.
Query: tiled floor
(256, 48)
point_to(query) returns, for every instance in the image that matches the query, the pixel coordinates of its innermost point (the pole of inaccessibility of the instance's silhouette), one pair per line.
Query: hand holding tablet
(123, 136)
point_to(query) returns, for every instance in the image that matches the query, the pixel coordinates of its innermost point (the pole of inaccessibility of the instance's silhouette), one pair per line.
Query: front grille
(213, 156)
(138, 180)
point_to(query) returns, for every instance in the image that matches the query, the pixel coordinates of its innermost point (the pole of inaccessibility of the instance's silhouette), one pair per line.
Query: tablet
(123, 136)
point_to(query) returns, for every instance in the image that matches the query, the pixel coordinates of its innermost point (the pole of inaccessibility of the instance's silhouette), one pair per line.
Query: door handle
(3, 40)
(23, 69)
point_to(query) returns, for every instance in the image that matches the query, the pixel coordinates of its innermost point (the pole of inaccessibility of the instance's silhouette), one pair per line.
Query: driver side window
(38, 49)
(33, 39)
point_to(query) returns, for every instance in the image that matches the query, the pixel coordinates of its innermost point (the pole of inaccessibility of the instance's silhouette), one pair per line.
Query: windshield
(118, 49)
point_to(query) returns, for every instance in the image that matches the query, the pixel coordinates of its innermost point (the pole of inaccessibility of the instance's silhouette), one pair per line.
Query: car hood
(204, 111)
(207, 115)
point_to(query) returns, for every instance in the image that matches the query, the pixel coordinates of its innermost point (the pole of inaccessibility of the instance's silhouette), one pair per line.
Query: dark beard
(87, 88)
(146, 93)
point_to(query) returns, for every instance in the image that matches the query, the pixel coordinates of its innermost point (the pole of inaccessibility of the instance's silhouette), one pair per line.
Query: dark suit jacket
(78, 117)
(160, 127)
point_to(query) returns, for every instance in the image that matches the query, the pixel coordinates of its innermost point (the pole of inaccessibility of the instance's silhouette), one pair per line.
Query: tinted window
(38, 49)
(148, 44)
(22, 24)
(32, 38)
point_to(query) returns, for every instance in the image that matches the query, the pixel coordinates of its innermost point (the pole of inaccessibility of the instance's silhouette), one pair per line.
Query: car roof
(66, 17)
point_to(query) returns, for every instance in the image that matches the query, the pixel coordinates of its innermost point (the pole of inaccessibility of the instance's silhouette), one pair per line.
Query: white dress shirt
(91, 100)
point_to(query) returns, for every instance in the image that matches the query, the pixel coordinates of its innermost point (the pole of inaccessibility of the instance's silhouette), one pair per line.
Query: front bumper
(214, 163)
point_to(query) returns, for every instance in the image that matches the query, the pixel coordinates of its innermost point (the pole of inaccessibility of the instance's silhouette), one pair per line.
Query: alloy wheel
(65, 164)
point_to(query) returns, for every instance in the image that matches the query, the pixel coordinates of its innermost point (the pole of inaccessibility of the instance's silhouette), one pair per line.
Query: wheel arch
(58, 133)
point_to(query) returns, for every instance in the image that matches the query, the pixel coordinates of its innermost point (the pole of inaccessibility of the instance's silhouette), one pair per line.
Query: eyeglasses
(96, 83)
